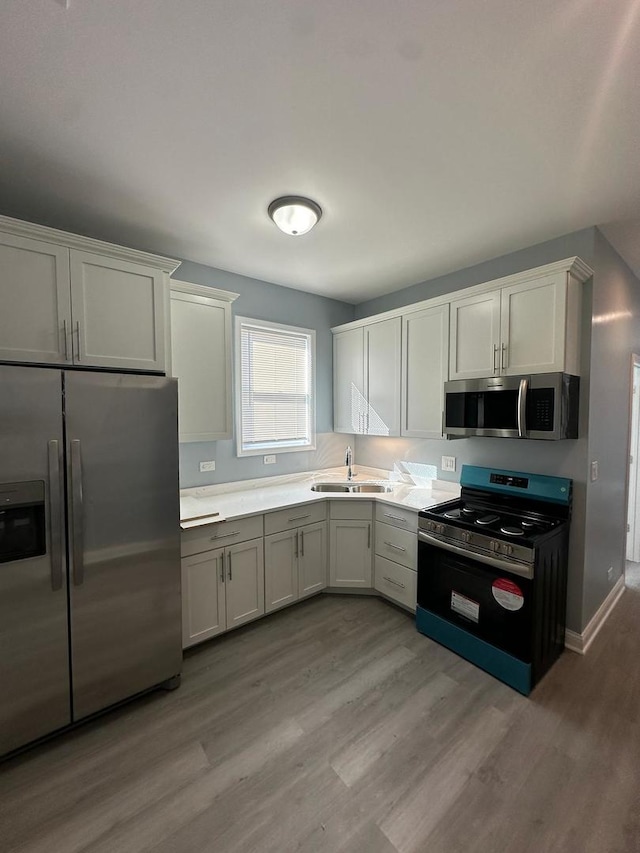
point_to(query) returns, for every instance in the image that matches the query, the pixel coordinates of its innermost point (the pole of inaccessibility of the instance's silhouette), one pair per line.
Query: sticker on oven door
(508, 594)
(465, 606)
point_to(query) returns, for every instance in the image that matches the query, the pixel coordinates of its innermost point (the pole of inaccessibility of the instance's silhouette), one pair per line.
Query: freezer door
(123, 510)
(34, 643)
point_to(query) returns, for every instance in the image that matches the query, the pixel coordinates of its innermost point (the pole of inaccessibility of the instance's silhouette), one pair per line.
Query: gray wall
(579, 243)
(562, 458)
(263, 301)
(615, 335)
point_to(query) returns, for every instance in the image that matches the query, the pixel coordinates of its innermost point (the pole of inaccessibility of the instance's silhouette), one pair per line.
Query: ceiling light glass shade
(294, 215)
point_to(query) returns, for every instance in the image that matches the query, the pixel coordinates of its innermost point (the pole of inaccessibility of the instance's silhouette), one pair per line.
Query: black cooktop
(517, 526)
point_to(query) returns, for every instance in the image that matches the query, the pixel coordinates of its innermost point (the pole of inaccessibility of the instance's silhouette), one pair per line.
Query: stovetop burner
(453, 513)
(487, 519)
(512, 531)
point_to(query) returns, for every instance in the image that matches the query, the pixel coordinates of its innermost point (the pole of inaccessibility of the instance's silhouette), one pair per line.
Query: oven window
(500, 410)
(22, 532)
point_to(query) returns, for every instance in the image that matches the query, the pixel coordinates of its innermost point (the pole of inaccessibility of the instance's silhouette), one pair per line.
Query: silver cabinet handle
(230, 575)
(302, 543)
(522, 408)
(298, 517)
(395, 517)
(222, 568)
(76, 513)
(495, 358)
(223, 535)
(395, 583)
(66, 342)
(369, 536)
(503, 357)
(55, 516)
(78, 337)
(296, 547)
(396, 547)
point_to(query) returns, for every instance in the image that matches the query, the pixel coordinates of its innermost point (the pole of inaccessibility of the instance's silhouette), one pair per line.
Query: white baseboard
(580, 642)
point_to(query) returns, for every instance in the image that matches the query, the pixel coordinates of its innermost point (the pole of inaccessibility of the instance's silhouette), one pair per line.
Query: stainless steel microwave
(543, 405)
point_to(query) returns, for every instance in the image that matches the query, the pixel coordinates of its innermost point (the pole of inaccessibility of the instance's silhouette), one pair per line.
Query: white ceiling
(433, 133)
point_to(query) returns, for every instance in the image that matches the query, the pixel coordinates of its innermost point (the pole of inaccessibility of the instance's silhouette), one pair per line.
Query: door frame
(633, 449)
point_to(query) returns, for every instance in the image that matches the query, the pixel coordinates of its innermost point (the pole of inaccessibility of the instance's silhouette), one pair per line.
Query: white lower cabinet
(351, 544)
(295, 564)
(396, 559)
(222, 588)
(295, 554)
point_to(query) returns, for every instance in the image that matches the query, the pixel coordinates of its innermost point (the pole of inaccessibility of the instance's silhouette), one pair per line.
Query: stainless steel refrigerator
(89, 545)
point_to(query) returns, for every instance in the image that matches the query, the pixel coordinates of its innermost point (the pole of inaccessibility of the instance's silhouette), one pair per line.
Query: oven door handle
(525, 571)
(522, 408)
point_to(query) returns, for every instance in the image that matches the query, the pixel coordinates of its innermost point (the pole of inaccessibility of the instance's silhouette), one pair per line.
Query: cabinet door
(201, 362)
(312, 559)
(245, 582)
(425, 369)
(349, 404)
(118, 313)
(203, 599)
(350, 554)
(35, 319)
(475, 336)
(383, 377)
(533, 326)
(280, 569)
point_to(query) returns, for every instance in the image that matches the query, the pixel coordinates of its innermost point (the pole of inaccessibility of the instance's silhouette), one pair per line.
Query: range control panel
(509, 480)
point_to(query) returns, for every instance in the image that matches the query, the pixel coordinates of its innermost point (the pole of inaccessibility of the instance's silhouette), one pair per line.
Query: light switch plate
(207, 466)
(269, 460)
(594, 471)
(448, 463)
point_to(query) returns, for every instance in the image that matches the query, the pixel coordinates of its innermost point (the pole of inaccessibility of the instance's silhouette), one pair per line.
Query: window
(274, 387)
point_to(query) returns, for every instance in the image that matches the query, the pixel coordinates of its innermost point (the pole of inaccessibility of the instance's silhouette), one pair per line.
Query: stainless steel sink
(352, 488)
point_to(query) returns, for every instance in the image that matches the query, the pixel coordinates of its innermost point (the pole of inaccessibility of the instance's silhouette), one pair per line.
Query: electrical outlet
(207, 466)
(269, 460)
(610, 574)
(594, 471)
(448, 463)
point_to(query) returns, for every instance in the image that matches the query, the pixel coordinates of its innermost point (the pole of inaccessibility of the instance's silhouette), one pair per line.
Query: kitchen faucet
(348, 461)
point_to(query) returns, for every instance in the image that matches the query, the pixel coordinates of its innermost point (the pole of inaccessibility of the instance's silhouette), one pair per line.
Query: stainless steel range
(492, 572)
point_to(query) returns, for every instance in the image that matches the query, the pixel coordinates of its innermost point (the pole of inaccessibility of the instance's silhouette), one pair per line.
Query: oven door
(493, 605)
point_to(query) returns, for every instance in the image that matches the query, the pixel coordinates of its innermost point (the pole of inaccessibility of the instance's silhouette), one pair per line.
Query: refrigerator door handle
(76, 513)
(55, 516)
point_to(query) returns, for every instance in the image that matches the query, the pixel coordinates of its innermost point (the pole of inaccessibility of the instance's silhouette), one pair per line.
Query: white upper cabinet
(68, 299)
(425, 369)
(35, 314)
(531, 325)
(382, 365)
(475, 336)
(118, 313)
(348, 381)
(532, 328)
(201, 360)
(366, 365)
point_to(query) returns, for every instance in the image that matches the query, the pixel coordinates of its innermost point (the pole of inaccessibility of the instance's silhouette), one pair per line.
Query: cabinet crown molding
(202, 290)
(20, 228)
(575, 266)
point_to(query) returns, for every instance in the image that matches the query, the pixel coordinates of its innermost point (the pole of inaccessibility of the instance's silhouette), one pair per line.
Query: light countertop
(230, 501)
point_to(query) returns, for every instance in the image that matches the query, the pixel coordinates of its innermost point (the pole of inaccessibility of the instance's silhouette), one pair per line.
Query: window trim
(267, 324)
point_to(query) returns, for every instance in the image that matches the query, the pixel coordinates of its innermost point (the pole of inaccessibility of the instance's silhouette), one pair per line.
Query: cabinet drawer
(209, 536)
(396, 582)
(401, 546)
(351, 509)
(398, 516)
(294, 516)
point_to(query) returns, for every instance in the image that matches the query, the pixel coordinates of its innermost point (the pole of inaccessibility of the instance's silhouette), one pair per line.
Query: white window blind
(276, 409)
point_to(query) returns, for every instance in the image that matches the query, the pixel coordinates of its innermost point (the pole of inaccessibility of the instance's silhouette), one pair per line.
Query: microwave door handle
(522, 408)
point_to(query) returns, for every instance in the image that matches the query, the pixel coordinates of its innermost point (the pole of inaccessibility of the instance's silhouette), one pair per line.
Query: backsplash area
(329, 452)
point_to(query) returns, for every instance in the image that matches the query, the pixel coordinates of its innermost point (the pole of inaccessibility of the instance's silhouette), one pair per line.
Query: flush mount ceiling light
(294, 214)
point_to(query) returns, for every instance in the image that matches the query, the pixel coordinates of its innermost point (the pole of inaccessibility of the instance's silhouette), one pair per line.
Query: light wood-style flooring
(334, 726)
